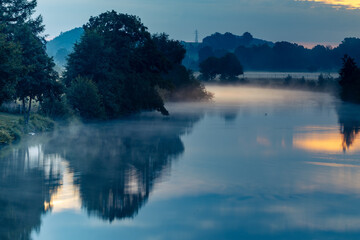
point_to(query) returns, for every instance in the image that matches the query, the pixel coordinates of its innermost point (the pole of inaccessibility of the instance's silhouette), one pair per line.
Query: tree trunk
(24, 110)
(23, 107)
(28, 112)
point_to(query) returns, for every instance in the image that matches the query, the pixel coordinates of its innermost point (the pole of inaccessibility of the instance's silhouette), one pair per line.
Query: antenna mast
(196, 36)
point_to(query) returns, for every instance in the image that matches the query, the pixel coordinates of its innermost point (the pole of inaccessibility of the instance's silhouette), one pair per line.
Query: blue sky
(302, 21)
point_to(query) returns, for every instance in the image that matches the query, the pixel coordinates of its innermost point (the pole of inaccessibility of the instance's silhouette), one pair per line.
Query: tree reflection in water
(349, 121)
(27, 180)
(117, 163)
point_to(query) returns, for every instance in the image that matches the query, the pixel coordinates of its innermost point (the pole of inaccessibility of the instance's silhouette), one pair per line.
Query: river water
(253, 164)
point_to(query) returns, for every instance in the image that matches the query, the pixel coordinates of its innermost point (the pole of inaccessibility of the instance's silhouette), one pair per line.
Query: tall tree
(38, 78)
(10, 68)
(228, 67)
(118, 54)
(350, 80)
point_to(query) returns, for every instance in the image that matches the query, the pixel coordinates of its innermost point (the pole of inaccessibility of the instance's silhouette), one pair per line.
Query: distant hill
(218, 45)
(230, 42)
(62, 45)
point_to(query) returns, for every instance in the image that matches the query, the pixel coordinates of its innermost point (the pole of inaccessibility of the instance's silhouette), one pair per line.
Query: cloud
(348, 4)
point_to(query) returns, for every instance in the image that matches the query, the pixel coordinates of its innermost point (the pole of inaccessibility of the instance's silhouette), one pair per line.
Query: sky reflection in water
(254, 164)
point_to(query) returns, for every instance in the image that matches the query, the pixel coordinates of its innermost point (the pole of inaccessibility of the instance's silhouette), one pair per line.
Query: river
(255, 163)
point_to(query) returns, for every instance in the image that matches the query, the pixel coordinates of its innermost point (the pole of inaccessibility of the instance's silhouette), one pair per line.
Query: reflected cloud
(263, 141)
(332, 164)
(324, 140)
(67, 196)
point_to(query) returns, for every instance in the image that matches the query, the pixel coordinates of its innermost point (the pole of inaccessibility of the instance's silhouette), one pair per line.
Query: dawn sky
(312, 21)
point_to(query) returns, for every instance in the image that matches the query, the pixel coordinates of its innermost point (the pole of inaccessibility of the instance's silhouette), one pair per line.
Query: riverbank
(12, 126)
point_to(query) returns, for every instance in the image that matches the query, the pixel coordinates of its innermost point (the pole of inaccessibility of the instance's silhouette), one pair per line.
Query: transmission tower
(196, 36)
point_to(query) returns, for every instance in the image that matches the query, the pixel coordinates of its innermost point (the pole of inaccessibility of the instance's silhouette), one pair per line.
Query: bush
(58, 109)
(5, 137)
(84, 98)
(40, 123)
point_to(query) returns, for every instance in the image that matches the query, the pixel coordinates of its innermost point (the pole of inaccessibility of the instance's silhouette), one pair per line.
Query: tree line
(286, 56)
(117, 68)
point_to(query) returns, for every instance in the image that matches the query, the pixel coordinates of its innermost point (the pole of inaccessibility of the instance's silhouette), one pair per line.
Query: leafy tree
(119, 55)
(173, 50)
(209, 68)
(56, 108)
(182, 83)
(37, 76)
(9, 68)
(15, 11)
(247, 38)
(228, 67)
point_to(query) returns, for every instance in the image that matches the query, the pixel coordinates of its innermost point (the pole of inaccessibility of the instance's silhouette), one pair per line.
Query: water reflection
(349, 120)
(109, 169)
(255, 169)
(27, 180)
(116, 174)
(332, 139)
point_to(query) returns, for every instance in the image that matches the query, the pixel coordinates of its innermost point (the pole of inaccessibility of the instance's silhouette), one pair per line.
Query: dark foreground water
(255, 164)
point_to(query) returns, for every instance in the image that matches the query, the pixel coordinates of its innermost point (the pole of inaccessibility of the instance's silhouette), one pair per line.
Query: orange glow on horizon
(348, 4)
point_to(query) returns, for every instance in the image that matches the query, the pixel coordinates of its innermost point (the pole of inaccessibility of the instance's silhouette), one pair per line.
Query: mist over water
(255, 163)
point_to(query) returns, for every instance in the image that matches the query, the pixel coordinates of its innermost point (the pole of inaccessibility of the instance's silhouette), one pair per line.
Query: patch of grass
(12, 126)
(40, 123)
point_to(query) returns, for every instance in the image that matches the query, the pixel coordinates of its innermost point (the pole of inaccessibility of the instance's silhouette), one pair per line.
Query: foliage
(187, 87)
(350, 80)
(118, 54)
(12, 125)
(37, 76)
(84, 97)
(56, 108)
(228, 67)
(180, 82)
(209, 68)
(9, 68)
(285, 56)
(230, 42)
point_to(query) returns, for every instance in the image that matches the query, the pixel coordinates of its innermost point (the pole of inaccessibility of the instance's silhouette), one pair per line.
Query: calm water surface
(254, 164)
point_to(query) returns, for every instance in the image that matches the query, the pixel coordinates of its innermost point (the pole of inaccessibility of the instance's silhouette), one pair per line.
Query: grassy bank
(12, 126)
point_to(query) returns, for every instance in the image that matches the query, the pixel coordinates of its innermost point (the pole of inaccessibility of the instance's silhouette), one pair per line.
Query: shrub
(84, 98)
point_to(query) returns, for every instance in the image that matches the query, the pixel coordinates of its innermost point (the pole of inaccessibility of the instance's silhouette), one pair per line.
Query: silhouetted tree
(119, 55)
(247, 38)
(228, 67)
(209, 68)
(182, 84)
(350, 80)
